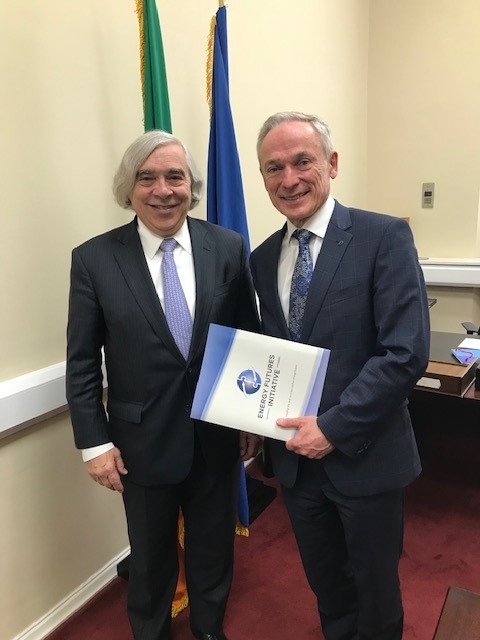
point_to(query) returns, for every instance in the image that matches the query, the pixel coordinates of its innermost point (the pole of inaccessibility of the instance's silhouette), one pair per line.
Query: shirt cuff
(93, 452)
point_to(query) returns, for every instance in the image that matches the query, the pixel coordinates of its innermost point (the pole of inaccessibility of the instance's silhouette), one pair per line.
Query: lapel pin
(339, 242)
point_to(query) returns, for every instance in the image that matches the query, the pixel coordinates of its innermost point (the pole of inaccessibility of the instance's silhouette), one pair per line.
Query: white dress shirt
(183, 257)
(317, 224)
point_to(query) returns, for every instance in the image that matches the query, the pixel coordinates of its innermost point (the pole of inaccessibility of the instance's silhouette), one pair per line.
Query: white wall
(423, 106)
(69, 105)
(280, 59)
(58, 527)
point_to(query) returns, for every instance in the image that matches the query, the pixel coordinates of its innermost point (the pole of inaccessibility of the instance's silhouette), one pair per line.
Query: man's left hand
(309, 441)
(249, 445)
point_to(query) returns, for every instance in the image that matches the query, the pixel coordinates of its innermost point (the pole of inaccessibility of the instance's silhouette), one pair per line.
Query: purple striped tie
(176, 308)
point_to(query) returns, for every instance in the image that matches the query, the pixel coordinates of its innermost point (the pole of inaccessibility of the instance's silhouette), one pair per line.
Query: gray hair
(296, 116)
(135, 156)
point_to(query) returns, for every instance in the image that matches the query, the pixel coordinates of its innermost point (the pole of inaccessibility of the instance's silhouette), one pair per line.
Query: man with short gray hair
(346, 280)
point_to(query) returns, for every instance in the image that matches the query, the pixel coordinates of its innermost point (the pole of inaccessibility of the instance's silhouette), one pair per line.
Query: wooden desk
(443, 414)
(442, 342)
(440, 351)
(460, 617)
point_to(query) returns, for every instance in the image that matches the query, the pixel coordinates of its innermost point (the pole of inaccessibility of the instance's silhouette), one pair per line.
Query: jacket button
(364, 446)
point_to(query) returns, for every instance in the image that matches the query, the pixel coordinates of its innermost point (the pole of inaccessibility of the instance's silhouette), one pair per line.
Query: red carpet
(442, 542)
(271, 599)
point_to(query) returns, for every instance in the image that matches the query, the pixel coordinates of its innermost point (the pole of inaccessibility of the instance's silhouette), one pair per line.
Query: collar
(317, 223)
(151, 241)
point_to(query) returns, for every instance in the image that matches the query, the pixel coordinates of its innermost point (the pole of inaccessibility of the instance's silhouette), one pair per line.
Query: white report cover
(248, 381)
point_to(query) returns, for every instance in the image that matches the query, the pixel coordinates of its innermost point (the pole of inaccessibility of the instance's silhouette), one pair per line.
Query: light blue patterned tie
(302, 274)
(176, 308)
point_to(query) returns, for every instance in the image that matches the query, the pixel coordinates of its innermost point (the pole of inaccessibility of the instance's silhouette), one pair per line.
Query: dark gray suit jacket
(114, 305)
(367, 303)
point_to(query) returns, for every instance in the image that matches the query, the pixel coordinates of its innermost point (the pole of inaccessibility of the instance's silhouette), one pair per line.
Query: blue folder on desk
(465, 355)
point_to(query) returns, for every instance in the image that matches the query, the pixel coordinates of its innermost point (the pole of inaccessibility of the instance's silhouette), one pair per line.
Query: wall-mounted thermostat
(428, 190)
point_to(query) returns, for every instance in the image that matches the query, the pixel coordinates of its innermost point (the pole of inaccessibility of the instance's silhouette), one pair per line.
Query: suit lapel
(334, 245)
(131, 261)
(269, 274)
(204, 262)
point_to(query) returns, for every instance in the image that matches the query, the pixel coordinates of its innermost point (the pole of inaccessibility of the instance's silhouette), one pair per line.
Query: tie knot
(168, 245)
(303, 236)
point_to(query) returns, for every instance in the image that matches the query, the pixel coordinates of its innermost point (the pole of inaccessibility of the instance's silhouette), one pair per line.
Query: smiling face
(162, 193)
(295, 170)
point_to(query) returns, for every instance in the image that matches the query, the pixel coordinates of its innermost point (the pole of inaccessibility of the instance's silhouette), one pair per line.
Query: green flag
(156, 107)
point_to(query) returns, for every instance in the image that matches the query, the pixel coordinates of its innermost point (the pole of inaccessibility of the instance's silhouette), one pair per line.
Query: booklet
(466, 356)
(467, 351)
(248, 381)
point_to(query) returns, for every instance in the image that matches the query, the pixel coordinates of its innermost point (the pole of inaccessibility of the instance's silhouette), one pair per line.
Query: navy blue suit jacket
(367, 303)
(114, 305)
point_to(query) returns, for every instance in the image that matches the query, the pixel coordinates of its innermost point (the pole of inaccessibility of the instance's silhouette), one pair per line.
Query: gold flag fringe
(241, 530)
(179, 606)
(210, 43)
(141, 28)
(181, 530)
(180, 601)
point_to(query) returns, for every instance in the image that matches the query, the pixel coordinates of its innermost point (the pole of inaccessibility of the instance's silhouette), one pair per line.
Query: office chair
(470, 328)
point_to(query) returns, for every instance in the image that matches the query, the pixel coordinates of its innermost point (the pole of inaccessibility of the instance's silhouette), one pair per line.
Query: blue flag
(225, 199)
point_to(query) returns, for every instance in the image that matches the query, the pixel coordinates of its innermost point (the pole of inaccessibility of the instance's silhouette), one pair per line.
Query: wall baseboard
(73, 602)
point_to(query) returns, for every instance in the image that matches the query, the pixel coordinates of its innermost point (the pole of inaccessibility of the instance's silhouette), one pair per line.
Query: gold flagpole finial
(221, 3)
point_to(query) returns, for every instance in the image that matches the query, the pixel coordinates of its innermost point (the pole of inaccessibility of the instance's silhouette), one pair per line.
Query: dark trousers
(209, 505)
(350, 549)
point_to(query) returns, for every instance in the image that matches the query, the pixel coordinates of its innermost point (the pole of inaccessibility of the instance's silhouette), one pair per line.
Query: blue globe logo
(249, 382)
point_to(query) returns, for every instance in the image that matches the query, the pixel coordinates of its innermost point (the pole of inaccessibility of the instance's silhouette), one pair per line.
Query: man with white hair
(146, 293)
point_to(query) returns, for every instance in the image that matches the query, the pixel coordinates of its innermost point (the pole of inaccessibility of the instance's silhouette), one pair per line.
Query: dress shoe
(210, 636)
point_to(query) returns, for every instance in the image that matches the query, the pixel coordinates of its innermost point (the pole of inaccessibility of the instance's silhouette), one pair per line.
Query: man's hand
(107, 468)
(249, 445)
(309, 441)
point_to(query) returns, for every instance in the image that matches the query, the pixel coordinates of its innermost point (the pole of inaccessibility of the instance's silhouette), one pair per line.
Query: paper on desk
(248, 381)
(470, 343)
